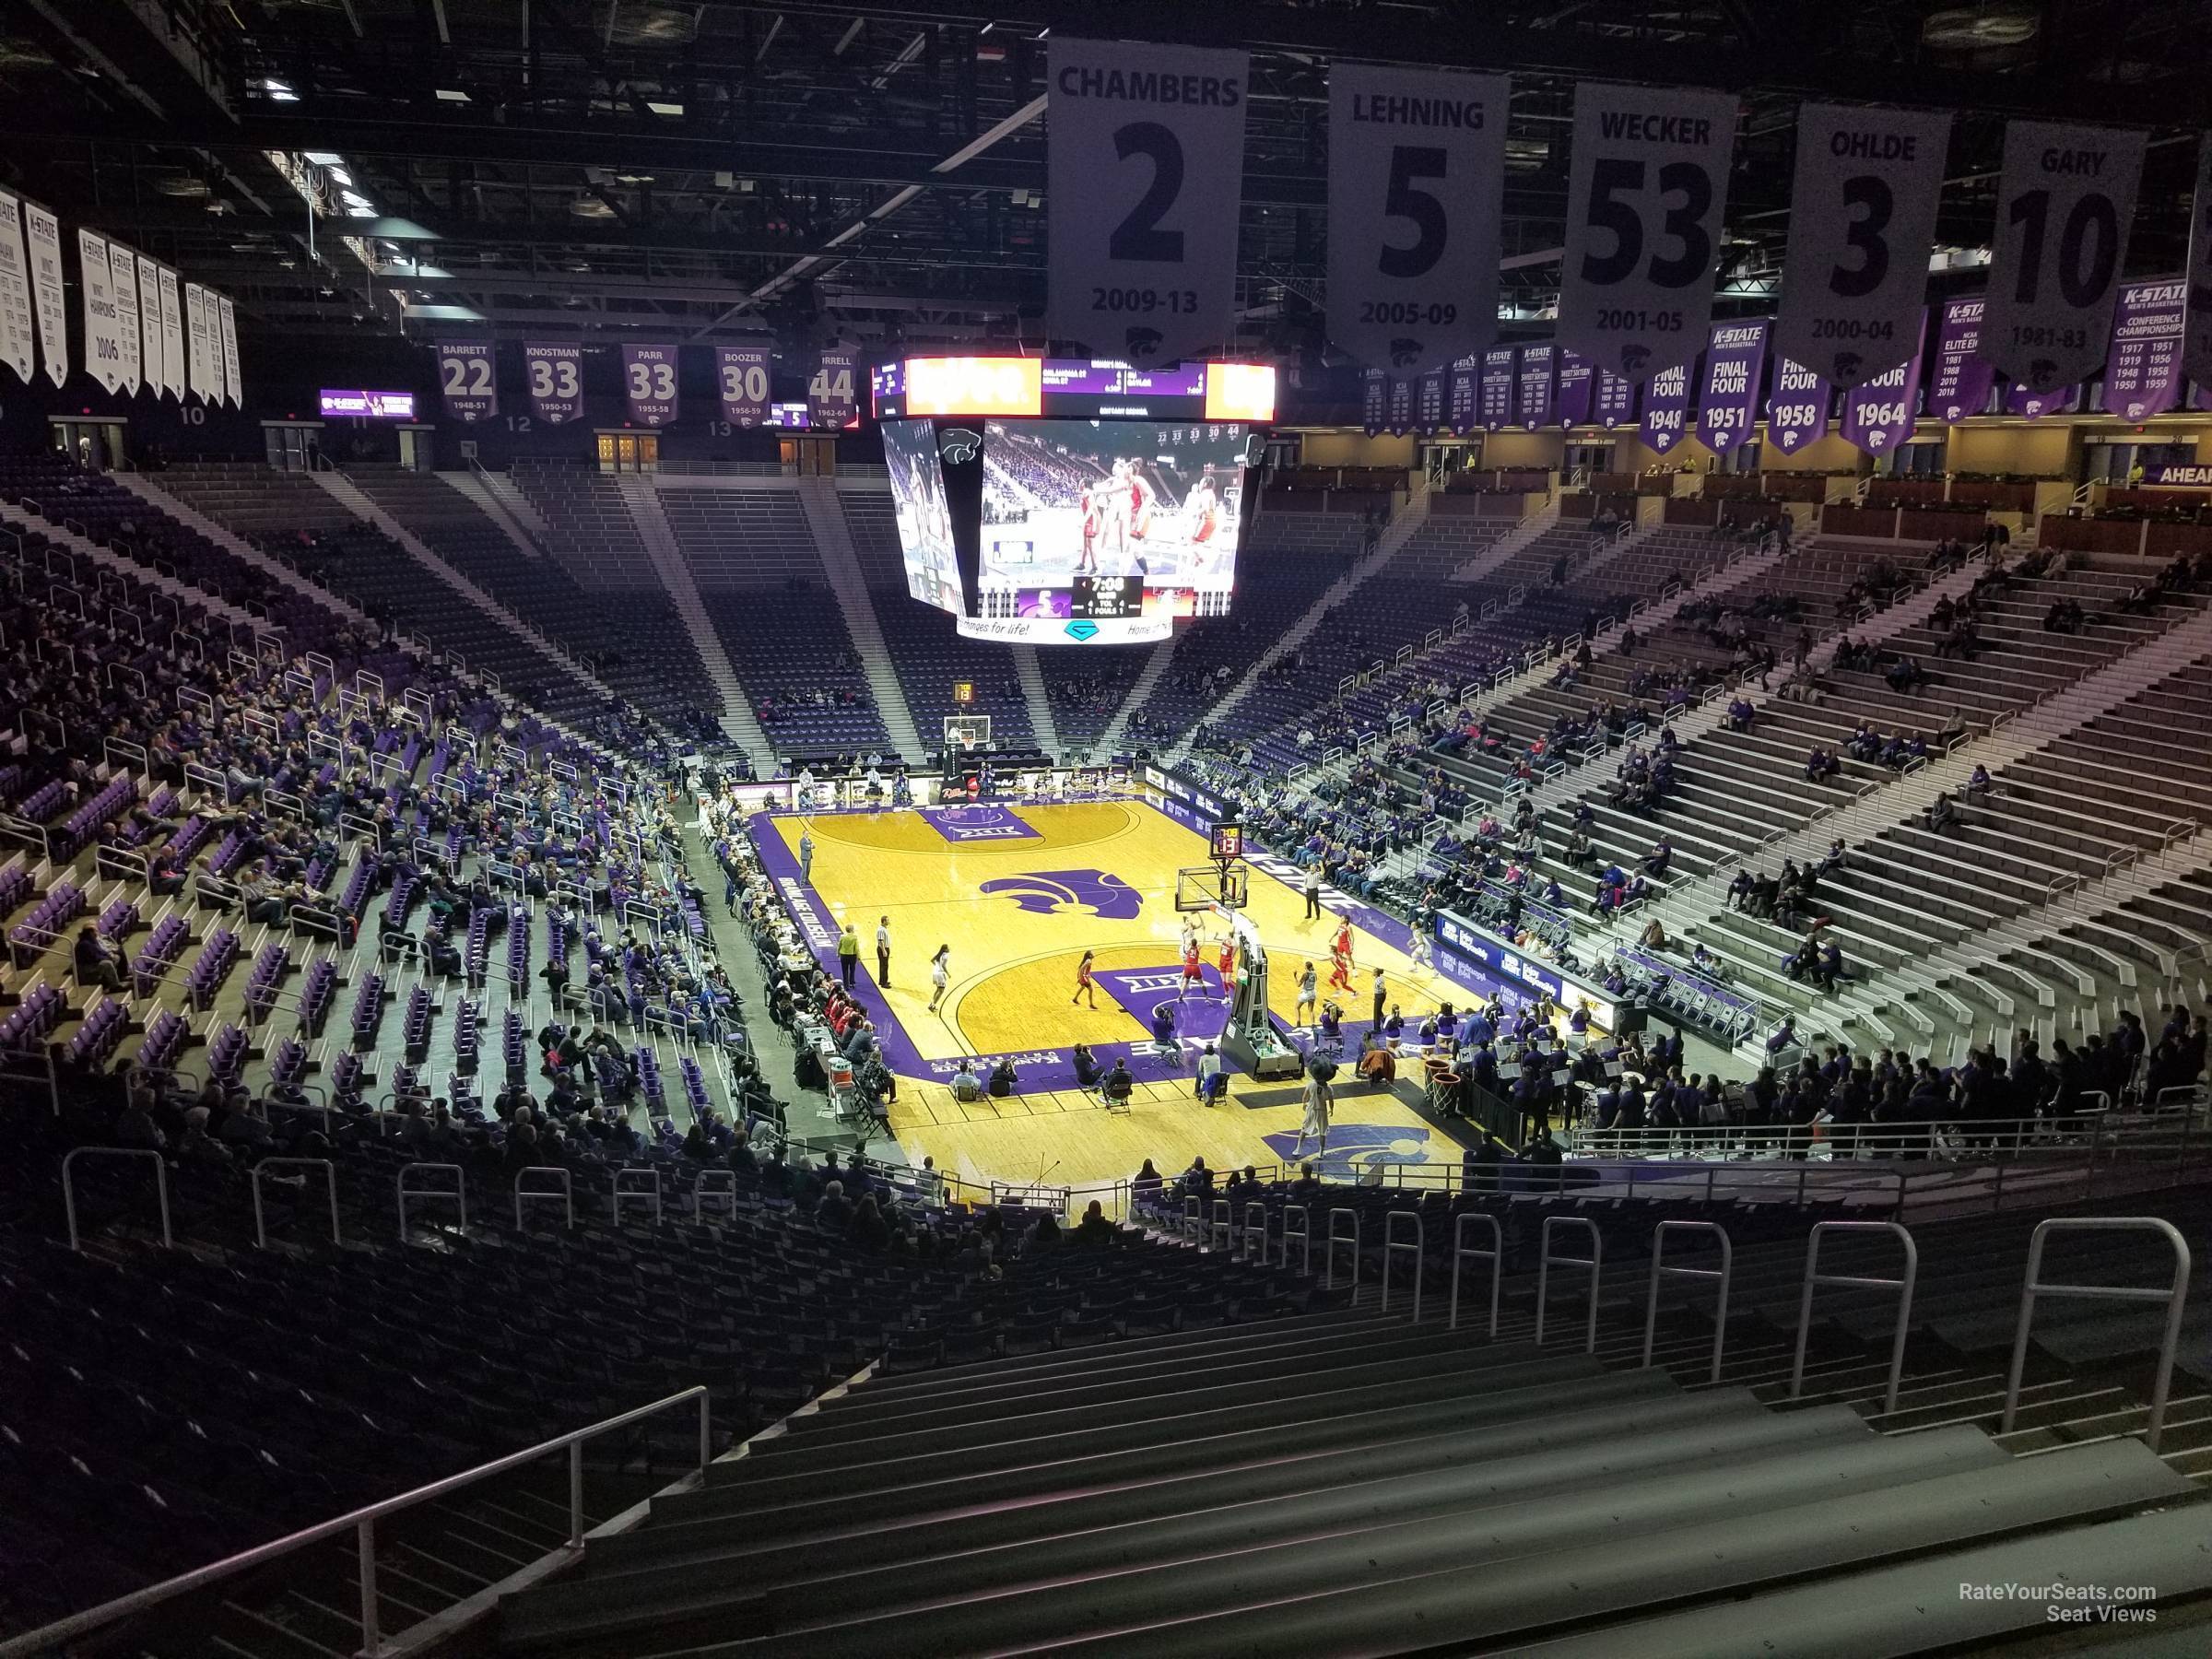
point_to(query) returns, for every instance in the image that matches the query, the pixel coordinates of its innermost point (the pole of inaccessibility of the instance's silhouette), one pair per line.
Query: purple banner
(1797, 412)
(649, 380)
(1496, 387)
(467, 375)
(556, 376)
(1374, 399)
(1736, 356)
(1959, 385)
(2020, 400)
(741, 377)
(1613, 402)
(1665, 408)
(2143, 369)
(1400, 418)
(1878, 416)
(830, 398)
(1428, 402)
(1571, 404)
(1535, 404)
(1459, 403)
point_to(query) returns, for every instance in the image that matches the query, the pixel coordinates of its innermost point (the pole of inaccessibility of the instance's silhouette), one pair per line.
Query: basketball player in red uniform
(1193, 974)
(1229, 964)
(1083, 986)
(1340, 959)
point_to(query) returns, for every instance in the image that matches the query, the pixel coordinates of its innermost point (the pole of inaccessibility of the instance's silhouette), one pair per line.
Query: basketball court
(1019, 892)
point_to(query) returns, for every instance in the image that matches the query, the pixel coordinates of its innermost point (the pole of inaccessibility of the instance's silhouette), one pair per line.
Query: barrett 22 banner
(1417, 177)
(465, 377)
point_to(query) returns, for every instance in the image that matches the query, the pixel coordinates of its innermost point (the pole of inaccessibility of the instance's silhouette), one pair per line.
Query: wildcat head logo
(958, 445)
(1847, 366)
(1353, 1147)
(1405, 353)
(1633, 359)
(1142, 344)
(2042, 374)
(1045, 892)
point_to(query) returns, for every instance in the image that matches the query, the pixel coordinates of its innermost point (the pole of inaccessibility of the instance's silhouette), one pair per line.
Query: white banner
(1144, 170)
(1646, 192)
(2196, 327)
(195, 332)
(2063, 212)
(233, 387)
(150, 323)
(1861, 218)
(1416, 183)
(18, 330)
(122, 277)
(42, 244)
(172, 335)
(103, 349)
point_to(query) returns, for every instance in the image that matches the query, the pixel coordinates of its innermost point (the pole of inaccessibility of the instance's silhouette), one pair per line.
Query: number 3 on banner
(653, 382)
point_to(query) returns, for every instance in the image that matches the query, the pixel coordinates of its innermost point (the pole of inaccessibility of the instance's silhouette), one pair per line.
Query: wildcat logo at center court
(1046, 892)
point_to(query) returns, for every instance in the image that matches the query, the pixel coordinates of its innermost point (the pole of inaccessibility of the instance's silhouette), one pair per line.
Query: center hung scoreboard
(1071, 501)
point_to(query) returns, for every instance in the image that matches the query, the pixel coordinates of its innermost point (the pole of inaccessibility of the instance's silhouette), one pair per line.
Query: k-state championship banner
(1533, 400)
(150, 323)
(1417, 179)
(42, 250)
(1728, 395)
(1570, 402)
(122, 281)
(1144, 176)
(468, 379)
(1797, 412)
(201, 377)
(1428, 402)
(1461, 396)
(2062, 212)
(173, 370)
(1958, 383)
(1862, 217)
(1665, 408)
(1497, 388)
(1399, 417)
(2143, 365)
(2196, 335)
(832, 391)
(2023, 400)
(1878, 416)
(648, 383)
(555, 373)
(1374, 401)
(1613, 403)
(741, 377)
(1646, 192)
(18, 327)
(103, 348)
(234, 385)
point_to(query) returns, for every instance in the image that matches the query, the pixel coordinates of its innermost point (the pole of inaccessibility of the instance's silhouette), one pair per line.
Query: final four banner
(42, 248)
(1736, 357)
(833, 392)
(1878, 416)
(1144, 176)
(1862, 217)
(1613, 403)
(103, 348)
(150, 323)
(1533, 403)
(1959, 385)
(468, 377)
(1570, 406)
(1497, 388)
(741, 376)
(2196, 337)
(649, 382)
(555, 371)
(1374, 402)
(1665, 408)
(18, 328)
(1646, 192)
(1462, 398)
(172, 336)
(2143, 367)
(2062, 211)
(1416, 174)
(122, 277)
(1797, 412)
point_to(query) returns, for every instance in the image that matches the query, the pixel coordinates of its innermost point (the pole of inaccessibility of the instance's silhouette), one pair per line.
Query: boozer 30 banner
(742, 372)
(1145, 170)
(2063, 212)
(1862, 217)
(1417, 178)
(1645, 197)
(2197, 333)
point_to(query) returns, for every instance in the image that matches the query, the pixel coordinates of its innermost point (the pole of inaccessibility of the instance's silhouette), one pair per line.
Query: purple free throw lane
(962, 824)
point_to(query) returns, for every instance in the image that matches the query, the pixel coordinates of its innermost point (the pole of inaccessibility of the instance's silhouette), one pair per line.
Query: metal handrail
(1813, 1277)
(636, 1195)
(1544, 1261)
(1248, 1231)
(330, 1175)
(1304, 1234)
(566, 1195)
(362, 1524)
(160, 1185)
(725, 1190)
(1329, 1250)
(1460, 1253)
(1724, 1273)
(1390, 1244)
(1221, 1230)
(2175, 1296)
(458, 1193)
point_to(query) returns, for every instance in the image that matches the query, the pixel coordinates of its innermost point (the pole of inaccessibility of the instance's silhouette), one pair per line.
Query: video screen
(932, 571)
(1112, 513)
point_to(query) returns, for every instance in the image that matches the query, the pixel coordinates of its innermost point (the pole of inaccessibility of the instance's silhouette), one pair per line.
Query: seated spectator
(1004, 1080)
(966, 1085)
(94, 960)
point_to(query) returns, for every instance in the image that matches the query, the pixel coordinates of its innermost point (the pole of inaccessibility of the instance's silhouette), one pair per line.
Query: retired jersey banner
(468, 377)
(1735, 357)
(1878, 416)
(1571, 403)
(1861, 218)
(1613, 403)
(103, 347)
(2034, 404)
(555, 373)
(150, 323)
(42, 250)
(2196, 335)
(1533, 399)
(1417, 180)
(1462, 397)
(833, 392)
(648, 383)
(1374, 402)
(234, 385)
(18, 327)
(2143, 365)
(1798, 411)
(2063, 212)
(1958, 383)
(1144, 179)
(1497, 388)
(122, 279)
(173, 370)
(1645, 195)
(741, 377)
(1428, 402)
(1665, 408)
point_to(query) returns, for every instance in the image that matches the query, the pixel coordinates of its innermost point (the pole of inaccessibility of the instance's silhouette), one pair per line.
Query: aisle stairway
(841, 564)
(1034, 697)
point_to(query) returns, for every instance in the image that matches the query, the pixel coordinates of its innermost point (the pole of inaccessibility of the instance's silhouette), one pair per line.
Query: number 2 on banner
(467, 377)
(554, 378)
(653, 382)
(744, 383)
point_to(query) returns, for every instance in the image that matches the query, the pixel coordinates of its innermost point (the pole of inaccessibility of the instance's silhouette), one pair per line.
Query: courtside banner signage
(1144, 173)
(2143, 366)
(43, 247)
(1861, 218)
(1535, 395)
(2196, 333)
(1878, 416)
(2062, 212)
(1960, 384)
(467, 378)
(648, 383)
(741, 376)
(1646, 192)
(1571, 404)
(122, 279)
(1667, 408)
(103, 346)
(18, 328)
(2190, 473)
(1496, 387)
(1798, 411)
(1417, 181)
(1735, 359)
(555, 373)
(833, 395)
